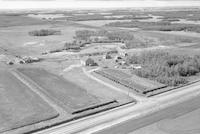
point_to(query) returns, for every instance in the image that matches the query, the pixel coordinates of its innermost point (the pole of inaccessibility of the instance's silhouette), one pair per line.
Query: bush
(172, 81)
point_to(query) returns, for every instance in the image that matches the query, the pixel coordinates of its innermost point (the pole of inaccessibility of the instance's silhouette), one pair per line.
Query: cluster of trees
(84, 34)
(113, 36)
(166, 68)
(73, 45)
(44, 32)
(158, 26)
(120, 36)
(139, 43)
(83, 37)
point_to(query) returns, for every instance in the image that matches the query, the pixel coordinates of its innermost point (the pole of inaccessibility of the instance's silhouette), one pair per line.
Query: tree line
(128, 38)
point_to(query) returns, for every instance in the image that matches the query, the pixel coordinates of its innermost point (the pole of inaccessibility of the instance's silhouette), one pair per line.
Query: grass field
(19, 106)
(67, 94)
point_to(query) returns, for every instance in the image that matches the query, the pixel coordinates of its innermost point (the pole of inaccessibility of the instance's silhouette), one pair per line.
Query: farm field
(20, 106)
(141, 85)
(66, 94)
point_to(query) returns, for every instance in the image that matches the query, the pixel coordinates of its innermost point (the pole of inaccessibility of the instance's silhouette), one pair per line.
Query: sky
(93, 4)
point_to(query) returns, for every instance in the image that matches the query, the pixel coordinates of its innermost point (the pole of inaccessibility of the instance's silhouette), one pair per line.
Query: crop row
(127, 82)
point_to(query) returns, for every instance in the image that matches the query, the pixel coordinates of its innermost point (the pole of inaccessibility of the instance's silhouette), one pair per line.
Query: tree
(90, 62)
(108, 56)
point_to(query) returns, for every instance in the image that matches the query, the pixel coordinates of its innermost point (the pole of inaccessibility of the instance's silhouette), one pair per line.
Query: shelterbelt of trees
(128, 38)
(166, 68)
(157, 26)
(83, 37)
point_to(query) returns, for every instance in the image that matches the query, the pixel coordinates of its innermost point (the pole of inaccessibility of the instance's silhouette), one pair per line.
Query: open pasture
(20, 106)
